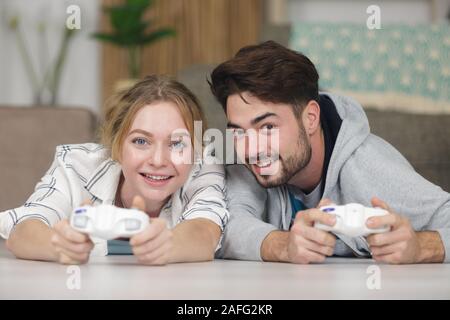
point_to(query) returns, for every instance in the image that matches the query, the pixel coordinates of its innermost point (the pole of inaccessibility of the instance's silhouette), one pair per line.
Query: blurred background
(54, 81)
(206, 32)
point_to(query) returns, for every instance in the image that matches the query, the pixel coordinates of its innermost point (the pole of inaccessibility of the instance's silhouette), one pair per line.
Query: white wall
(392, 11)
(80, 81)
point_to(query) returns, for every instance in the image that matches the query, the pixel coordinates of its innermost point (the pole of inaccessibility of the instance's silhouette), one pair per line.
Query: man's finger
(383, 239)
(319, 236)
(386, 250)
(378, 203)
(392, 220)
(314, 246)
(314, 257)
(392, 258)
(315, 215)
(325, 202)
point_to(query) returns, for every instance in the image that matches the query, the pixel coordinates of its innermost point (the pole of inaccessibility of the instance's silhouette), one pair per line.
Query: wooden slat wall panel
(110, 55)
(208, 31)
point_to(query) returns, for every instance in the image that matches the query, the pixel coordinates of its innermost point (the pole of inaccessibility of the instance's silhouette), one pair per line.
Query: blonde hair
(123, 107)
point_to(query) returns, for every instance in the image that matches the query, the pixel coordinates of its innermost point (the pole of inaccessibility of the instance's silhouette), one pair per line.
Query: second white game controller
(108, 222)
(351, 219)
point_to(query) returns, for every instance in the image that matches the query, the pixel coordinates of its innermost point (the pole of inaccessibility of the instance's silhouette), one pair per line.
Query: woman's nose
(159, 156)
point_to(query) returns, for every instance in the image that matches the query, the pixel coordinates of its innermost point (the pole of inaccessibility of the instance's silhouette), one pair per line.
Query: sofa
(28, 137)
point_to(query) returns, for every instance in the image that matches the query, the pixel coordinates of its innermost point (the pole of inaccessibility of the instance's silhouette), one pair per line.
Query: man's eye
(238, 133)
(268, 126)
(139, 141)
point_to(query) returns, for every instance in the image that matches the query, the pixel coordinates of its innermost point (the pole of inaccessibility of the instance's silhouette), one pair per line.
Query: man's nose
(256, 147)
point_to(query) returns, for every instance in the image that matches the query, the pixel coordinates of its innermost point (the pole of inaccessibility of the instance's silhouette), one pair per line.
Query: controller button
(80, 221)
(328, 210)
(132, 224)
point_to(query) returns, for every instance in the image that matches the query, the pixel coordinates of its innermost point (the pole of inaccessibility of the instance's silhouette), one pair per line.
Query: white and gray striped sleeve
(50, 201)
(205, 195)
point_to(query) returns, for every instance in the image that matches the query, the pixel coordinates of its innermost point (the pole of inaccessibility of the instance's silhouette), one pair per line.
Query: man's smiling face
(277, 122)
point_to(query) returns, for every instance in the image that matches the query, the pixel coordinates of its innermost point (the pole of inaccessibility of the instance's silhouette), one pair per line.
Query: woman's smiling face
(157, 152)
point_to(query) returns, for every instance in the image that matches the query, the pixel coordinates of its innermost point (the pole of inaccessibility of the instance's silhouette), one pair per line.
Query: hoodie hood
(353, 132)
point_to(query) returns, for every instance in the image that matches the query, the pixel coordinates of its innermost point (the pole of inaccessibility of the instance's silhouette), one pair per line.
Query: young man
(326, 151)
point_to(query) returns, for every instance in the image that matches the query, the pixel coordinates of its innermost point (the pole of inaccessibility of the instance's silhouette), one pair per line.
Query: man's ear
(311, 117)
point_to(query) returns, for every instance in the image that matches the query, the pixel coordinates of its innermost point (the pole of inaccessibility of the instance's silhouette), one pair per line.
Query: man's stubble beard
(290, 166)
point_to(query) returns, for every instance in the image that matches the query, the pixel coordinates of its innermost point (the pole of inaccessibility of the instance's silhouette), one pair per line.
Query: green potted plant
(131, 32)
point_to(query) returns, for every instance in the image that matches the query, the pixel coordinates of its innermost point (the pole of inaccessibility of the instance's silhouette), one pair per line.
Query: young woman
(146, 161)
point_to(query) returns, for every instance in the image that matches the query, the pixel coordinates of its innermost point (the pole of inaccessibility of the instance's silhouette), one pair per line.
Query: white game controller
(351, 219)
(108, 222)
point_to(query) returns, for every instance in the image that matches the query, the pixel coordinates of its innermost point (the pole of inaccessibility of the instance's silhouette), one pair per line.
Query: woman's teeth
(157, 177)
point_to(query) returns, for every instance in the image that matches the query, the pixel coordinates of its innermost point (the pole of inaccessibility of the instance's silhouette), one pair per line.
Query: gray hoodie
(361, 166)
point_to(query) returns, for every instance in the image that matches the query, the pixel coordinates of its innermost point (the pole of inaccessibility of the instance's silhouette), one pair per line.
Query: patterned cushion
(398, 67)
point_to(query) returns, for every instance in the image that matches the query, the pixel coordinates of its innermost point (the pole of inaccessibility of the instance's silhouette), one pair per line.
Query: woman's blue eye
(139, 141)
(178, 144)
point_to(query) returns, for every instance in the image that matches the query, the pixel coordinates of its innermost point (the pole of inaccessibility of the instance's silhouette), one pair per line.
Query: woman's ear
(311, 117)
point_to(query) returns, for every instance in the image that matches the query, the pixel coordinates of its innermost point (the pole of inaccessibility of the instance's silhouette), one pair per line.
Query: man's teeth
(157, 177)
(264, 163)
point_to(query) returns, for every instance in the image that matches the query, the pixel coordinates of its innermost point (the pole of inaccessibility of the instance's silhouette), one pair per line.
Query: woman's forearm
(31, 239)
(194, 241)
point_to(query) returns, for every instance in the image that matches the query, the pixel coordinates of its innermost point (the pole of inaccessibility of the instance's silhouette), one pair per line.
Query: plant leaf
(112, 38)
(129, 28)
(157, 35)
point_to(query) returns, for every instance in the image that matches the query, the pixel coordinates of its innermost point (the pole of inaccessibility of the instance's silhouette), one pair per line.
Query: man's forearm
(274, 247)
(431, 247)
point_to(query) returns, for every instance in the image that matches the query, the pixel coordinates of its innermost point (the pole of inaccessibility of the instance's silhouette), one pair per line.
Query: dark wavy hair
(270, 72)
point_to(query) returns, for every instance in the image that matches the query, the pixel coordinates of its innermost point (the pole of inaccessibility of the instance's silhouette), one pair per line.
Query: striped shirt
(86, 171)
